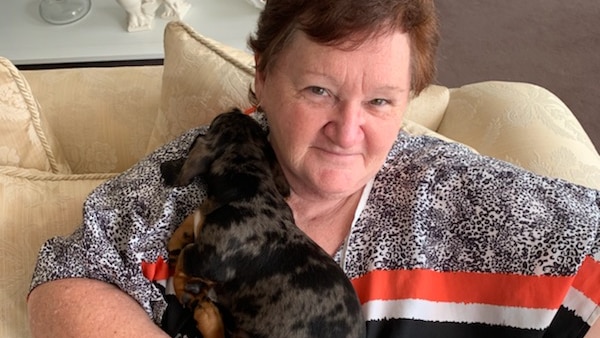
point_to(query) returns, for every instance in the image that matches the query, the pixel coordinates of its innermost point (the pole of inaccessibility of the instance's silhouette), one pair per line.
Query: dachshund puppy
(269, 278)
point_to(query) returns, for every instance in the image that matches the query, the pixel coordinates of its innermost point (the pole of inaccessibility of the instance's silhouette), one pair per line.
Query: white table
(26, 39)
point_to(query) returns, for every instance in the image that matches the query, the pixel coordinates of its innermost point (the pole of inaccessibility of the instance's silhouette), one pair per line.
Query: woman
(436, 240)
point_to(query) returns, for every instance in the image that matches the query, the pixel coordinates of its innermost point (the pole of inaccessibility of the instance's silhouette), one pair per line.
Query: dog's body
(267, 274)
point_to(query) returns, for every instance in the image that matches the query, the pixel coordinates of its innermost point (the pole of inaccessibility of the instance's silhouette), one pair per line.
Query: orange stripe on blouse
(156, 271)
(250, 110)
(464, 287)
(587, 279)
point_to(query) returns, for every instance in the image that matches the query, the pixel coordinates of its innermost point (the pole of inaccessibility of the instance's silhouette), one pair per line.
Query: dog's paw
(208, 320)
(190, 290)
(192, 293)
(195, 291)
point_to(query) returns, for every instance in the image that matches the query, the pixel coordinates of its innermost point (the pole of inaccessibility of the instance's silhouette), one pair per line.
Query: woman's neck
(327, 222)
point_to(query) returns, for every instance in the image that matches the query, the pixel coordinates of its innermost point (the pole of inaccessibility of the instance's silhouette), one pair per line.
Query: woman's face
(334, 113)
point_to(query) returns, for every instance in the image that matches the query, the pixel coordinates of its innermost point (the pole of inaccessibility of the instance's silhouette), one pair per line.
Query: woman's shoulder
(425, 150)
(443, 201)
(451, 171)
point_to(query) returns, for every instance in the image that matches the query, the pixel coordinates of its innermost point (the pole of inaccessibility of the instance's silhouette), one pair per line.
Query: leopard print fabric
(433, 205)
(449, 209)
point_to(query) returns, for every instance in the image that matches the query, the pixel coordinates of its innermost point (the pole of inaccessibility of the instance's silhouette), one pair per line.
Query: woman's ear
(259, 78)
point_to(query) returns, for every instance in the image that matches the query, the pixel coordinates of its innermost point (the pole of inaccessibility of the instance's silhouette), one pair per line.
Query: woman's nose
(345, 127)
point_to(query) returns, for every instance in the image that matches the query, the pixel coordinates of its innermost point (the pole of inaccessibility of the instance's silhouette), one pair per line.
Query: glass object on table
(60, 12)
(260, 4)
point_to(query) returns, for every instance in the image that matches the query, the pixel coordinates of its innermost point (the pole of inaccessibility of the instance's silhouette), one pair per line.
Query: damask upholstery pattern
(102, 119)
(427, 109)
(106, 119)
(201, 78)
(34, 206)
(25, 142)
(523, 124)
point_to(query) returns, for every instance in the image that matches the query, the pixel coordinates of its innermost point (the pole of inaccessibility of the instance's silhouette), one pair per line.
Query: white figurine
(141, 13)
(175, 9)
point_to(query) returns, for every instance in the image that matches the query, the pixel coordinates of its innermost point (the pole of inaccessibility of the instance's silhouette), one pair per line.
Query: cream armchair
(65, 131)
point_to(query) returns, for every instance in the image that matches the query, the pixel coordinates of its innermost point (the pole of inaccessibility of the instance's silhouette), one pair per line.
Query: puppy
(242, 242)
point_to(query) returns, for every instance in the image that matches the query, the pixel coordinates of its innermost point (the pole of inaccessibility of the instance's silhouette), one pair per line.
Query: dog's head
(233, 156)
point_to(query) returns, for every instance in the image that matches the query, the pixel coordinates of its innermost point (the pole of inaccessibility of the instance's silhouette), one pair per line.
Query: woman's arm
(594, 331)
(87, 308)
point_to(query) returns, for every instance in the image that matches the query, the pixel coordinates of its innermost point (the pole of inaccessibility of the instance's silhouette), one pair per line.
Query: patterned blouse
(445, 243)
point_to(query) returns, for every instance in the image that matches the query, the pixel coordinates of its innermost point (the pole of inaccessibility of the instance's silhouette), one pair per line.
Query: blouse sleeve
(126, 223)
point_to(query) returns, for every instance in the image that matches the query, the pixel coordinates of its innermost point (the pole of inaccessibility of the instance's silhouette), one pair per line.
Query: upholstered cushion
(102, 117)
(25, 139)
(34, 206)
(414, 128)
(523, 124)
(429, 107)
(202, 78)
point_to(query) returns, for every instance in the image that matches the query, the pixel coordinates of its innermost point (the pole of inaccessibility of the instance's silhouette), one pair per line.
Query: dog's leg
(192, 291)
(208, 320)
(182, 236)
(181, 240)
(189, 230)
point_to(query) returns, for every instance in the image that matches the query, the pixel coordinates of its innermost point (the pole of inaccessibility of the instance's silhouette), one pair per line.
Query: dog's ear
(197, 163)
(280, 181)
(170, 170)
(182, 171)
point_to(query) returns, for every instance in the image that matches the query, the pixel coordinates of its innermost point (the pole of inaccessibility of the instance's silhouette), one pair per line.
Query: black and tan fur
(268, 276)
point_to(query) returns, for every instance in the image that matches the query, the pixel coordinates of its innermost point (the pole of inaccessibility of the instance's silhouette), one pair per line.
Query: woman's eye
(379, 102)
(318, 90)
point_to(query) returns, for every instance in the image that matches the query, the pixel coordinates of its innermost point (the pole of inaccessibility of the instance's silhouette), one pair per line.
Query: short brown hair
(333, 22)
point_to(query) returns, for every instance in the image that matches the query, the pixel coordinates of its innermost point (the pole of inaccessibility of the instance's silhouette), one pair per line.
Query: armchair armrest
(523, 124)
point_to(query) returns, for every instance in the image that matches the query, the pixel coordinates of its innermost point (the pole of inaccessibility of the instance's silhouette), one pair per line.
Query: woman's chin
(339, 184)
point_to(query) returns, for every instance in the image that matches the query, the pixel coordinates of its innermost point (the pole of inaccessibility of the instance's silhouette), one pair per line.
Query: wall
(552, 43)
